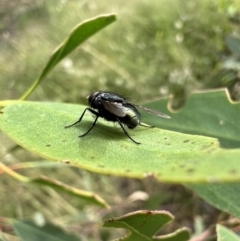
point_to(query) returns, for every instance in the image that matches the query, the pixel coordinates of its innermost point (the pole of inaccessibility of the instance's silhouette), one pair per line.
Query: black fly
(115, 108)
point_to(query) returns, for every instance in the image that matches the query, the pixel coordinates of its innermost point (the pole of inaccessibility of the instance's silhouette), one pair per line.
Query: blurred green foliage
(155, 48)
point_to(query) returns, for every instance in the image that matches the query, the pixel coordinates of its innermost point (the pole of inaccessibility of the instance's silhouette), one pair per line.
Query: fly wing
(154, 112)
(115, 108)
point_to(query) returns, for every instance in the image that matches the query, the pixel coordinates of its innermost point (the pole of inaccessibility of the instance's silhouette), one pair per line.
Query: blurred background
(154, 49)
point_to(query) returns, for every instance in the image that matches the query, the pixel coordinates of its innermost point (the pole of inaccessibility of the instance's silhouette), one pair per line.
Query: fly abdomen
(132, 118)
(134, 122)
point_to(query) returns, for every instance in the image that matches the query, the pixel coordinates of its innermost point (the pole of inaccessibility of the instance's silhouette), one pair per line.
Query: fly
(115, 108)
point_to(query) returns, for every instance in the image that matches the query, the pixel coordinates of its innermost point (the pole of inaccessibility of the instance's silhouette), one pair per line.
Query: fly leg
(79, 120)
(125, 132)
(94, 123)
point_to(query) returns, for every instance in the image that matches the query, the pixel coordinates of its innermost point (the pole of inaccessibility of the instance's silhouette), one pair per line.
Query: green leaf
(144, 224)
(89, 197)
(78, 35)
(233, 44)
(209, 113)
(223, 196)
(224, 234)
(169, 156)
(36, 164)
(29, 231)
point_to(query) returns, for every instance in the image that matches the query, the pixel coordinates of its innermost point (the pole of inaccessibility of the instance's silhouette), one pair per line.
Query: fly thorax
(95, 102)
